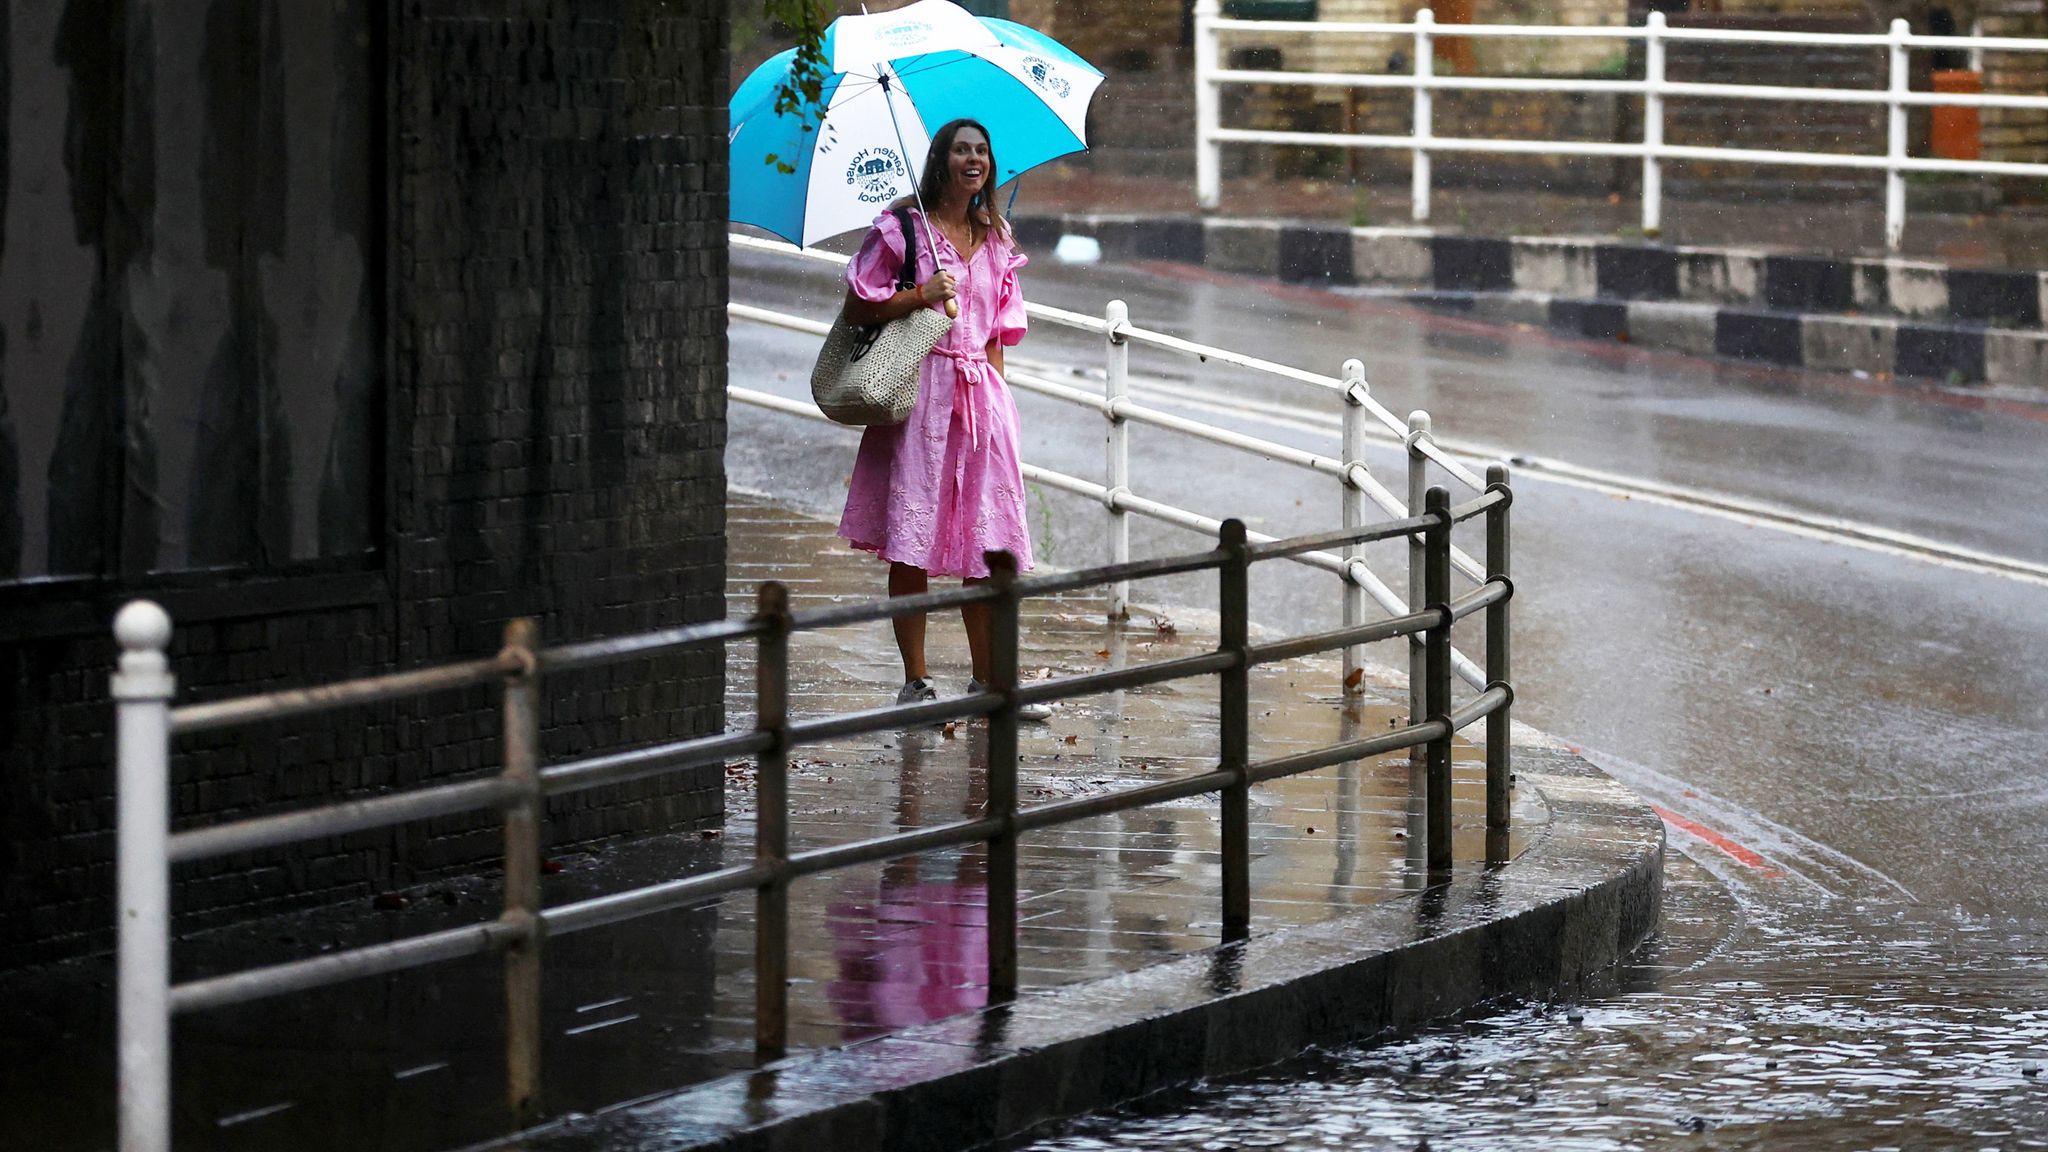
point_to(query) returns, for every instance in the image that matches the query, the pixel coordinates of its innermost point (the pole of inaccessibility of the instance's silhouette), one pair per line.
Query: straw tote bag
(867, 373)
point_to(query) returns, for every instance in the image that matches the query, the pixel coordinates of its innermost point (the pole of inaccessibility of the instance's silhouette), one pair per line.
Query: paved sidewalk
(881, 948)
(2015, 237)
(1117, 1003)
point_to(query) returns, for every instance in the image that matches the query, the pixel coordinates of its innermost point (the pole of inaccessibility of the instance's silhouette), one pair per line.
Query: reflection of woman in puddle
(919, 952)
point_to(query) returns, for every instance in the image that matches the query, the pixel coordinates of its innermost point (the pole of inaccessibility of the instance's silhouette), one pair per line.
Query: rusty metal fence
(144, 687)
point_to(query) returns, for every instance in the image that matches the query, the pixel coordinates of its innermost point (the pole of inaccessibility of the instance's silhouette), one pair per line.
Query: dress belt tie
(972, 369)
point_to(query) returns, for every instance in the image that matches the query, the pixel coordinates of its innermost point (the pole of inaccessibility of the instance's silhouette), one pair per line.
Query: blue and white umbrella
(895, 78)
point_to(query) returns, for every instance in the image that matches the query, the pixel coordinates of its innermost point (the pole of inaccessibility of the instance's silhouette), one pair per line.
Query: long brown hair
(931, 187)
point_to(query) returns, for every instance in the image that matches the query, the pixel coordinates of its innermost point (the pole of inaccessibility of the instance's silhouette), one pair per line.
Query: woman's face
(967, 165)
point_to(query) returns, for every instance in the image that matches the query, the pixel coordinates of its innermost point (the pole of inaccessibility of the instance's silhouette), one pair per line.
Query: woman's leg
(905, 580)
(979, 619)
(976, 618)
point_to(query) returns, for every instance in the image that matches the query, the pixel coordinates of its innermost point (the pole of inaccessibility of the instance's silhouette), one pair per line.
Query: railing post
(1499, 743)
(771, 826)
(1653, 126)
(1234, 721)
(1425, 68)
(1356, 391)
(1895, 141)
(1418, 486)
(142, 687)
(1437, 595)
(521, 770)
(1117, 473)
(1208, 151)
(1002, 780)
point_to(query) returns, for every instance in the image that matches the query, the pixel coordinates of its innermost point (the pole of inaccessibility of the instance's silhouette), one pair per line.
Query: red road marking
(1735, 851)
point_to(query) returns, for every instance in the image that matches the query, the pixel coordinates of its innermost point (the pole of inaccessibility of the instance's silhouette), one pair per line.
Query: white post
(142, 689)
(1356, 391)
(1895, 142)
(1208, 152)
(1425, 67)
(1653, 127)
(1418, 494)
(1117, 459)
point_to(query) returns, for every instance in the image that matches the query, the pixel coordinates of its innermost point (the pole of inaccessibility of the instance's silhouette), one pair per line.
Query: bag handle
(906, 272)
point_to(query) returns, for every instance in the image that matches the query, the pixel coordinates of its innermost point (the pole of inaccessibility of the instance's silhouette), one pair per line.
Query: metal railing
(1364, 419)
(143, 689)
(1421, 142)
(147, 723)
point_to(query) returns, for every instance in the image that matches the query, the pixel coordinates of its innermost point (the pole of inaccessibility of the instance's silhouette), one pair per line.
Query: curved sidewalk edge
(1583, 893)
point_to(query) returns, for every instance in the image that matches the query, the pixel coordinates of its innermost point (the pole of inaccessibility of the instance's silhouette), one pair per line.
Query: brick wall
(1852, 11)
(1839, 128)
(1116, 36)
(2016, 134)
(554, 397)
(1505, 116)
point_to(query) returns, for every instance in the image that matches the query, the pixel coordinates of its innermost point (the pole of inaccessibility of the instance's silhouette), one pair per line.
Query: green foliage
(1614, 64)
(801, 91)
(1361, 208)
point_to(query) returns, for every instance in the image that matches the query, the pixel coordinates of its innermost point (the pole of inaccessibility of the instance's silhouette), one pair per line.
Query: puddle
(1822, 1025)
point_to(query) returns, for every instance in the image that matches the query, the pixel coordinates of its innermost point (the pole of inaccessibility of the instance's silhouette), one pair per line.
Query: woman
(932, 494)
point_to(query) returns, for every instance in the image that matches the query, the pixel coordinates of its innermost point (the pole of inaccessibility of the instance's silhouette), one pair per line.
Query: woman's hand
(937, 290)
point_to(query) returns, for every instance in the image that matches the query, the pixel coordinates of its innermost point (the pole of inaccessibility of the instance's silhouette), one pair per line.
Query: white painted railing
(1364, 418)
(1210, 75)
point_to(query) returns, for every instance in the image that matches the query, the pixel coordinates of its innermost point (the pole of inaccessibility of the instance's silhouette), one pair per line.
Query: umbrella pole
(916, 192)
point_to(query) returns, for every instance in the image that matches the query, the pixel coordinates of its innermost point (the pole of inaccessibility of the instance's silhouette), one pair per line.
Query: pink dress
(946, 485)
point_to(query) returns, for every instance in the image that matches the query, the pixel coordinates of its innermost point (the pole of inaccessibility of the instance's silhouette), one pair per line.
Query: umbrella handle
(953, 309)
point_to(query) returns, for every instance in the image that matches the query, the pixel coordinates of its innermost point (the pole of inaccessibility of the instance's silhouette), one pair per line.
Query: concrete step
(1870, 347)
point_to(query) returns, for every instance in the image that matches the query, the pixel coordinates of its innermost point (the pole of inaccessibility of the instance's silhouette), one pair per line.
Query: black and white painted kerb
(1876, 316)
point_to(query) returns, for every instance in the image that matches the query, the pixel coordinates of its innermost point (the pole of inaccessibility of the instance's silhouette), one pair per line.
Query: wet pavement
(892, 946)
(413, 1062)
(1705, 1040)
(1850, 740)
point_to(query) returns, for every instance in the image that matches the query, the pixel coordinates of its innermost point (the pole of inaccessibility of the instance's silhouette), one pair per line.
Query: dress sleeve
(872, 273)
(1010, 320)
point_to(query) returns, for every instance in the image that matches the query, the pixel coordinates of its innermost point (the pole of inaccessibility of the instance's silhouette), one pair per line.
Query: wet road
(1852, 741)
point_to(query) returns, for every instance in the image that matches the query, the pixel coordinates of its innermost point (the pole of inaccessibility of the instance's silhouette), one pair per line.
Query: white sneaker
(916, 692)
(1030, 713)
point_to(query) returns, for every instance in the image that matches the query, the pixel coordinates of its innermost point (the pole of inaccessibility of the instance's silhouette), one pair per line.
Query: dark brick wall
(1845, 128)
(1594, 116)
(554, 397)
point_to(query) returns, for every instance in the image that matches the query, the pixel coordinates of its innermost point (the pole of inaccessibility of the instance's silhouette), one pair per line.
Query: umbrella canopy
(895, 78)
